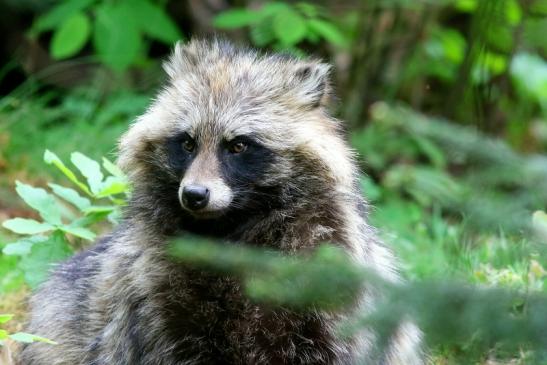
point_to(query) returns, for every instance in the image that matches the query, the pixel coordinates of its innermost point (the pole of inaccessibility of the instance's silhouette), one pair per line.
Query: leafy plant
(19, 336)
(65, 214)
(283, 25)
(118, 30)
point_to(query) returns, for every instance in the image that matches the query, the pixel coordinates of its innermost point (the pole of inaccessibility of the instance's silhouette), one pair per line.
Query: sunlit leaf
(289, 27)
(112, 168)
(42, 201)
(71, 196)
(51, 158)
(71, 36)
(5, 317)
(58, 14)
(116, 35)
(90, 169)
(79, 232)
(154, 21)
(28, 338)
(328, 31)
(26, 226)
(23, 246)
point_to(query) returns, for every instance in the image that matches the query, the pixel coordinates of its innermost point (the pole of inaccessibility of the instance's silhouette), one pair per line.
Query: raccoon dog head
(233, 131)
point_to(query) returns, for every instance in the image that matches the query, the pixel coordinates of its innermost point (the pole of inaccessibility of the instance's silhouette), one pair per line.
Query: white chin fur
(220, 196)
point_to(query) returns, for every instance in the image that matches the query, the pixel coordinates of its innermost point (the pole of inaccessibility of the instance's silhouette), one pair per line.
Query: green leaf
(71, 36)
(262, 33)
(328, 31)
(100, 209)
(112, 186)
(154, 21)
(116, 36)
(28, 338)
(26, 226)
(3, 335)
(90, 169)
(81, 232)
(39, 262)
(23, 246)
(71, 196)
(5, 318)
(58, 14)
(42, 201)
(289, 27)
(91, 218)
(51, 159)
(112, 168)
(235, 18)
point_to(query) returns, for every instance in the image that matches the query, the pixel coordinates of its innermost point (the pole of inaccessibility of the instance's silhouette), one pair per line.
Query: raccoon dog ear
(181, 60)
(311, 83)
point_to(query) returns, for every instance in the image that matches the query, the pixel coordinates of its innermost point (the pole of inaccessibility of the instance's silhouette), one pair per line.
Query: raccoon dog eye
(188, 145)
(237, 147)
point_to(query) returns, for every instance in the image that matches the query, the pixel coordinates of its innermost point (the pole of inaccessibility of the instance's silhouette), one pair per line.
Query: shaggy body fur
(124, 302)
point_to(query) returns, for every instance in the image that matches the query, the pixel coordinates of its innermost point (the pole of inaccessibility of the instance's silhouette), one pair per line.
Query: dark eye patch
(179, 158)
(247, 167)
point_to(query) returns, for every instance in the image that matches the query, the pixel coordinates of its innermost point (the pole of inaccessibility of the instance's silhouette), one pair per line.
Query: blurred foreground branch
(448, 313)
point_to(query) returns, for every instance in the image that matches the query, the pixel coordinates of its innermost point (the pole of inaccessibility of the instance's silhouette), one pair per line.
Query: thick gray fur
(124, 301)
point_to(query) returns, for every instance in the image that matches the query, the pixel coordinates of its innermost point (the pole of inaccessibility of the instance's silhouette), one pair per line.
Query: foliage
(283, 25)
(66, 215)
(458, 204)
(328, 279)
(118, 29)
(19, 336)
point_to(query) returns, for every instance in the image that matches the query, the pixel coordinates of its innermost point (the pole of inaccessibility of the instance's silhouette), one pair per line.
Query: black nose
(195, 196)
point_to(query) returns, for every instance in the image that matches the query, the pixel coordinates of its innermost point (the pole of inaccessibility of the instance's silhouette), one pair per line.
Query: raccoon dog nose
(195, 196)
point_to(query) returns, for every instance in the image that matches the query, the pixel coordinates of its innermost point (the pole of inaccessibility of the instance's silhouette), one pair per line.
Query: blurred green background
(445, 101)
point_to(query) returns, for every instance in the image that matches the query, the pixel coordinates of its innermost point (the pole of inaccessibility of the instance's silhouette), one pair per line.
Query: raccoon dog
(237, 146)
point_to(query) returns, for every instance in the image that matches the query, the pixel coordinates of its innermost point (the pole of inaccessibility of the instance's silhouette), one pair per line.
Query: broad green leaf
(90, 169)
(42, 257)
(40, 200)
(235, 18)
(19, 248)
(328, 31)
(26, 226)
(90, 218)
(3, 334)
(289, 27)
(79, 232)
(58, 14)
(112, 186)
(154, 21)
(71, 36)
(5, 318)
(28, 338)
(51, 159)
(116, 36)
(71, 196)
(112, 168)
